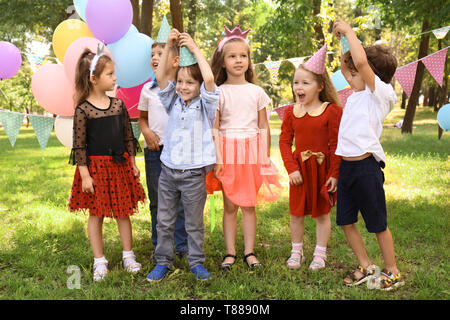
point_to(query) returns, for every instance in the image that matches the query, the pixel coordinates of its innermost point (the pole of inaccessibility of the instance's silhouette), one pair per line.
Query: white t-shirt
(362, 121)
(157, 115)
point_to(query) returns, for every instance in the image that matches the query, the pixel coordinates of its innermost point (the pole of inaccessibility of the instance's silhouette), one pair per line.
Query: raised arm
(359, 57)
(165, 73)
(208, 76)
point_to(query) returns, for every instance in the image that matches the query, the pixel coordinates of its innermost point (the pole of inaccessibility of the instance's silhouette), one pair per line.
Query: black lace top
(102, 132)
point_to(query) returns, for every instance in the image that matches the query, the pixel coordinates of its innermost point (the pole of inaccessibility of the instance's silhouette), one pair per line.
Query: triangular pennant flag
(435, 64)
(164, 31)
(43, 127)
(11, 122)
(344, 94)
(273, 67)
(441, 32)
(186, 57)
(406, 76)
(280, 111)
(296, 61)
(136, 130)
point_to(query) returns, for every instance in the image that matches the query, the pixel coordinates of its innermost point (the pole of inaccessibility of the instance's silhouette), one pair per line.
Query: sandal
(318, 261)
(366, 273)
(100, 274)
(253, 265)
(294, 262)
(388, 281)
(130, 264)
(227, 266)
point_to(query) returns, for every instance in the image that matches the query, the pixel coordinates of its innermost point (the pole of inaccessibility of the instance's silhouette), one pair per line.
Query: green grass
(40, 239)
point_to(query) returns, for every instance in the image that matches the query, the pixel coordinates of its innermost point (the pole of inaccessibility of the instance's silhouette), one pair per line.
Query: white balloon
(64, 130)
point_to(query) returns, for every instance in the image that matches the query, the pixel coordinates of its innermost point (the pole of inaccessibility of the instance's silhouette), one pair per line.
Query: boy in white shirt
(152, 121)
(360, 186)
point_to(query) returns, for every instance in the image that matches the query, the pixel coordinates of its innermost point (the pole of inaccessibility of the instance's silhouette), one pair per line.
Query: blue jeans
(153, 170)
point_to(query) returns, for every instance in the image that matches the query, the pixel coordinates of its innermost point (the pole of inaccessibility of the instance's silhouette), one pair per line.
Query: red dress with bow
(315, 134)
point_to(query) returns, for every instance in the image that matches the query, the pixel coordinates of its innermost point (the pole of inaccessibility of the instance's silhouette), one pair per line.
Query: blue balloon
(80, 6)
(132, 55)
(443, 117)
(339, 81)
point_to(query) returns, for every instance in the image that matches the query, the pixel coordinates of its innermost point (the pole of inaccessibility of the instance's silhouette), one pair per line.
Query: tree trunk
(177, 15)
(147, 17)
(192, 15)
(136, 14)
(404, 98)
(425, 96)
(407, 126)
(318, 26)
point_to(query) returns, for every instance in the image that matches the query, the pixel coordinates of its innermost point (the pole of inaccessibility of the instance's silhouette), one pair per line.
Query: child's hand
(332, 182)
(152, 140)
(174, 35)
(136, 171)
(218, 169)
(87, 185)
(340, 27)
(187, 41)
(295, 178)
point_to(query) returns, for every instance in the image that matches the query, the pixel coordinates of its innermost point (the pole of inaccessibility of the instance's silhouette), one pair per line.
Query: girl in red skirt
(106, 179)
(312, 167)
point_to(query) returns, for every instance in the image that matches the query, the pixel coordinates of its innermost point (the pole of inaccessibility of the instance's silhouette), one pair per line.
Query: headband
(100, 52)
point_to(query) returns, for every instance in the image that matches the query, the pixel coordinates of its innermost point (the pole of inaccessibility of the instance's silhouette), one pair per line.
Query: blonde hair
(328, 93)
(83, 85)
(220, 73)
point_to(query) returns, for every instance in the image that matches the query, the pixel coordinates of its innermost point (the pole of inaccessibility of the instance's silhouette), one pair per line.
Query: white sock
(100, 266)
(126, 253)
(298, 246)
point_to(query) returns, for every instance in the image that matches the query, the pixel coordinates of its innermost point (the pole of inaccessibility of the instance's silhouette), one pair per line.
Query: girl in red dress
(106, 179)
(313, 121)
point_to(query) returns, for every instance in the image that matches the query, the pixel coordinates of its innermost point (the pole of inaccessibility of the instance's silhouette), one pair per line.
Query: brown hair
(173, 49)
(380, 60)
(194, 71)
(328, 93)
(220, 74)
(83, 84)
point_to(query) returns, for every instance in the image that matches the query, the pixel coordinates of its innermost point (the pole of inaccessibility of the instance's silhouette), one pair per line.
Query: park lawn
(40, 239)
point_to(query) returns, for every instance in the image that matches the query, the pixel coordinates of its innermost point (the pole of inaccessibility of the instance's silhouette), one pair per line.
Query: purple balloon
(109, 20)
(10, 60)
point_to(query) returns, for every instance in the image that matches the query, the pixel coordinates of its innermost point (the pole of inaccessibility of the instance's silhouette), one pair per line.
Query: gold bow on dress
(308, 153)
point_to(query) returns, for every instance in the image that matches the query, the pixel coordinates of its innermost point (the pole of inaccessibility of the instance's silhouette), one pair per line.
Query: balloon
(74, 52)
(339, 81)
(67, 32)
(130, 97)
(132, 55)
(64, 130)
(52, 90)
(109, 20)
(10, 60)
(443, 117)
(80, 6)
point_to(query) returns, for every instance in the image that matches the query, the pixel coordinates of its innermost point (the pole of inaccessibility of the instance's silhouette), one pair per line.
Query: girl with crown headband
(242, 140)
(313, 121)
(106, 179)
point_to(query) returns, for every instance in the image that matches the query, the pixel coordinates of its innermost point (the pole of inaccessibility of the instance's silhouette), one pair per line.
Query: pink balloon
(53, 91)
(74, 52)
(130, 96)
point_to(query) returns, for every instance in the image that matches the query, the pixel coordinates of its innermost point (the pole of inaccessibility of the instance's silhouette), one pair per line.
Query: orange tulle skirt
(248, 175)
(117, 190)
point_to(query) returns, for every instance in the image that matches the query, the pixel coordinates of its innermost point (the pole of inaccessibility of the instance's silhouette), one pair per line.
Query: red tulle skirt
(248, 176)
(117, 190)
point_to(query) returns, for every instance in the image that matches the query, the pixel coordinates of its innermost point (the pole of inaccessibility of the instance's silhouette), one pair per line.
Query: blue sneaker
(158, 273)
(201, 272)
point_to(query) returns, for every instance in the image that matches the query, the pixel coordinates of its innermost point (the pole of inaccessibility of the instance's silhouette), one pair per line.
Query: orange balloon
(67, 32)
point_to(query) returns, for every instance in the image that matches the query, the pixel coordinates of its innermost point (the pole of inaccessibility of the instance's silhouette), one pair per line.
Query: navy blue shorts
(360, 188)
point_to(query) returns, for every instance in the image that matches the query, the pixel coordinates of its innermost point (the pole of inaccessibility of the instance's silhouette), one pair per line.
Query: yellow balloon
(67, 32)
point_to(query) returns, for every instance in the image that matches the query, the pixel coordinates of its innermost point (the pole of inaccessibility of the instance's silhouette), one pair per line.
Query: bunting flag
(344, 94)
(441, 32)
(136, 130)
(435, 64)
(280, 111)
(273, 67)
(35, 61)
(43, 127)
(11, 122)
(406, 76)
(297, 61)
